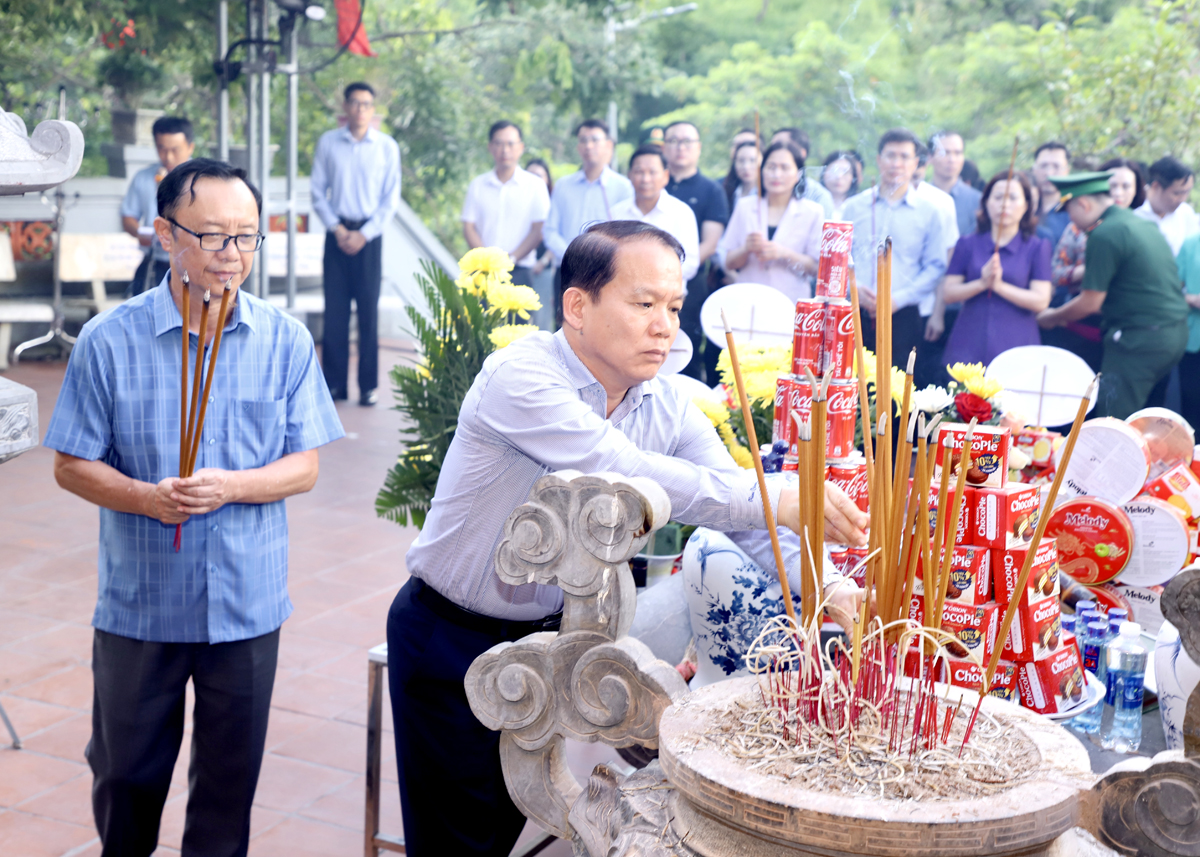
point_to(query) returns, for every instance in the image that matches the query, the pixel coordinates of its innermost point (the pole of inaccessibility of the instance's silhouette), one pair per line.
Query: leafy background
(1106, 77)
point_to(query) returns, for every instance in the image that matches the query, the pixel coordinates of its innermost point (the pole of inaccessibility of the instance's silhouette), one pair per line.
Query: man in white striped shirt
(585, 398)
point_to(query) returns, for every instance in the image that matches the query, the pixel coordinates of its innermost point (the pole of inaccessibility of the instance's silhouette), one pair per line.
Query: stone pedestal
(18, 419)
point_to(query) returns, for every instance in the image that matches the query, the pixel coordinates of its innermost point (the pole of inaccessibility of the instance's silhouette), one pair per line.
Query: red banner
(352, 32)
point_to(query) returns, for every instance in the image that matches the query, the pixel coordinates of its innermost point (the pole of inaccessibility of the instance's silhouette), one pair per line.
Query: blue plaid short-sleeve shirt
(119, 403)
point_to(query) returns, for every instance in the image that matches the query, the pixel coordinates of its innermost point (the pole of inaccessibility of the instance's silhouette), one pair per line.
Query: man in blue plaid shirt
(212, 611)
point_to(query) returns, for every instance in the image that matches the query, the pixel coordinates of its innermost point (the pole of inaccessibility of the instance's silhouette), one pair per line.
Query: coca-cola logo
(846, 325)
(835, 241)
(1082, 519)
(843, 401)
(855, 484)
(812, 321)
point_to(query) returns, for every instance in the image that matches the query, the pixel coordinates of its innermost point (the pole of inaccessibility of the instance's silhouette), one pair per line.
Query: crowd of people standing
(980, 265)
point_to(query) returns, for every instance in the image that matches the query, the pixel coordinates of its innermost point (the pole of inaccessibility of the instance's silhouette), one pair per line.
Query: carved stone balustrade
(589, 681)
(18, 419)
(34, 163)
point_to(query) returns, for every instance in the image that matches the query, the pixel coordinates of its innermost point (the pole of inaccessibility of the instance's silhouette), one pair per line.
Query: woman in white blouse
(774, 239)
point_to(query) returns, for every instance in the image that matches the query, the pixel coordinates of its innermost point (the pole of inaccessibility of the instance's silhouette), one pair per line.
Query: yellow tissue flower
(983, 387)
(962, 372)
(508, 299)
(761, 367)
(742, 456)
(507, 334)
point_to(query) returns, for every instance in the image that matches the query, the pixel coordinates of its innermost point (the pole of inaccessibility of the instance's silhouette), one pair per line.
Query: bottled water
(1118, 615)
(1095, 639)
(1083, 606)
(1121, 725)
(1068, 622)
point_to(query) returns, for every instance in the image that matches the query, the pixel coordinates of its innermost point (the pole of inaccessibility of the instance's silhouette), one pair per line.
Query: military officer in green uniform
(1131, 279)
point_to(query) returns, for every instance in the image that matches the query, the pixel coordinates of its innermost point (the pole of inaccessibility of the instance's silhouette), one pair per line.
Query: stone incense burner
(591, 682)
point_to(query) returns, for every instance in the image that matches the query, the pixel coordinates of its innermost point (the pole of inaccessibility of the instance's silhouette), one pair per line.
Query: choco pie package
(963, 672)
(1036, 631)
(970, 579)
(990, 446)
(1005, 515)
(1053, 684)
(975, 627)
(1043, 575)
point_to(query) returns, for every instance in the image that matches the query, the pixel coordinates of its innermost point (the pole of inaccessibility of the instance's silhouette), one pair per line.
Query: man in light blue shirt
(892, 208)
(355, 190)
(211, 612)
(173, 139)
(587, 196)
(585, 398)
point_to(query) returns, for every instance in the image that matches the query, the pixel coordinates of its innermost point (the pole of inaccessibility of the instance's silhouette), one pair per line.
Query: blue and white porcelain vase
(1176, 675)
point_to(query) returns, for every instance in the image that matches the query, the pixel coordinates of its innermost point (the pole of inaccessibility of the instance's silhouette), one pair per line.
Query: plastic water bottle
(1121, 727)
(1068, 622)
(1082, 606)
(1118, 615)
(1095, 641)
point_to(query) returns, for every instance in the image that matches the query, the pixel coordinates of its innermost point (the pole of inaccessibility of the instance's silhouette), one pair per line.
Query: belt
(471, 621)
(352, 225)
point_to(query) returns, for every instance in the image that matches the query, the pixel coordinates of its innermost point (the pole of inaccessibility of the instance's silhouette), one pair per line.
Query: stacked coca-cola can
(823, 339)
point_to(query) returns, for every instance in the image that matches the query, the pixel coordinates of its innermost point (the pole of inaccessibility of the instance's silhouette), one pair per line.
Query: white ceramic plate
(1042, 379)
(1095, 696)
(756, 313)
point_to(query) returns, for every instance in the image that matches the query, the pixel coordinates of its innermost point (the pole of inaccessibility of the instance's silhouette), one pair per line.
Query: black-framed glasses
(215, 242)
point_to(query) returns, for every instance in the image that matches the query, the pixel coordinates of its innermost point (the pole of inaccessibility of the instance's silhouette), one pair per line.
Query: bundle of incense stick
(812, 434)
(191, 419)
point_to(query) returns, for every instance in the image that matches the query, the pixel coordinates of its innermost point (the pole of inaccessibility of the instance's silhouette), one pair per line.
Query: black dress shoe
(368, 399)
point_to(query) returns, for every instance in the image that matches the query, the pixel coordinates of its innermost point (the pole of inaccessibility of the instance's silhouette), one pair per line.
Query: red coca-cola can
(807, 330)
(855, 568)
(851, 477)
(841, 411)
(799, 399)
(837, 555)
(837, 341)
(783, 427)
(833, 265)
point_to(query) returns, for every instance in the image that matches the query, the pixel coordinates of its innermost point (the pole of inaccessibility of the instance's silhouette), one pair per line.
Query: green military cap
(1080, 184)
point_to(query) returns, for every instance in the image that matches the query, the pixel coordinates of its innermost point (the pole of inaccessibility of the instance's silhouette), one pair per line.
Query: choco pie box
(989, 453)
(963, 672)
(975, 627)
(1043, 575)
(970, 575)
(1054, 684)
(1036, 632)
(1001, 516)
(962, 533)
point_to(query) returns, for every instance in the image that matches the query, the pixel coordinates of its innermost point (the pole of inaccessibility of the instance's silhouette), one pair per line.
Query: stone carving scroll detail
(589, 682)
(49, 157)
(1156, 812)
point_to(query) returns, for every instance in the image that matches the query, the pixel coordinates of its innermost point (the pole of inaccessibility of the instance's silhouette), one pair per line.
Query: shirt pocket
(258, 431)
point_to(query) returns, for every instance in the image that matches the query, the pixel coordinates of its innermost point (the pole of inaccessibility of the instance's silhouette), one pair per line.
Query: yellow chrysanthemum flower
(761, 367)
(716, 412)
(742, 456)
(486, 260)
(508, 299)
(962, 372)
(983, 387)
(507, 334)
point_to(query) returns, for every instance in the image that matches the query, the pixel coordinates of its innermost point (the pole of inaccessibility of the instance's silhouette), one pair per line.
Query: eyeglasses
(215, 242)
(675, 141)
(355, 104)
(592, 141)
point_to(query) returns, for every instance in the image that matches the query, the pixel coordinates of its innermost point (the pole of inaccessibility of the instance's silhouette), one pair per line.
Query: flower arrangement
(467, 319)
(969, 395)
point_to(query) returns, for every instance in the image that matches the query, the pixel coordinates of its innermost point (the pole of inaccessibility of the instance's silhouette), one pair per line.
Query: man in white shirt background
(652, 204)
(355, 190)
(507, 206)
(1168, 186)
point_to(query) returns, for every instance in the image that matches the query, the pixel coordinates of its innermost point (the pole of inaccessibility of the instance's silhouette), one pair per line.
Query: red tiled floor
(331, 743)
(32, 717)
(287, 785)
(71, 687)
(72, 801)
(300, 837)
(33, 836)
(65, 740)
(24, 774)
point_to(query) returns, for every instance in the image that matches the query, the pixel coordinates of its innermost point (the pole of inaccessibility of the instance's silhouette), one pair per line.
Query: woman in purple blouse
(1001, 302)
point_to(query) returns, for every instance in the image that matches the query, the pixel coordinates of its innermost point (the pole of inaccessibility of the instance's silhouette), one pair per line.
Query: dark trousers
(148, 275)
(908, 331)
(137, 727)
(703, 365)
(452, 790)
(1189, 387)
(350, 278)
(931, 365)
(1134, 363)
